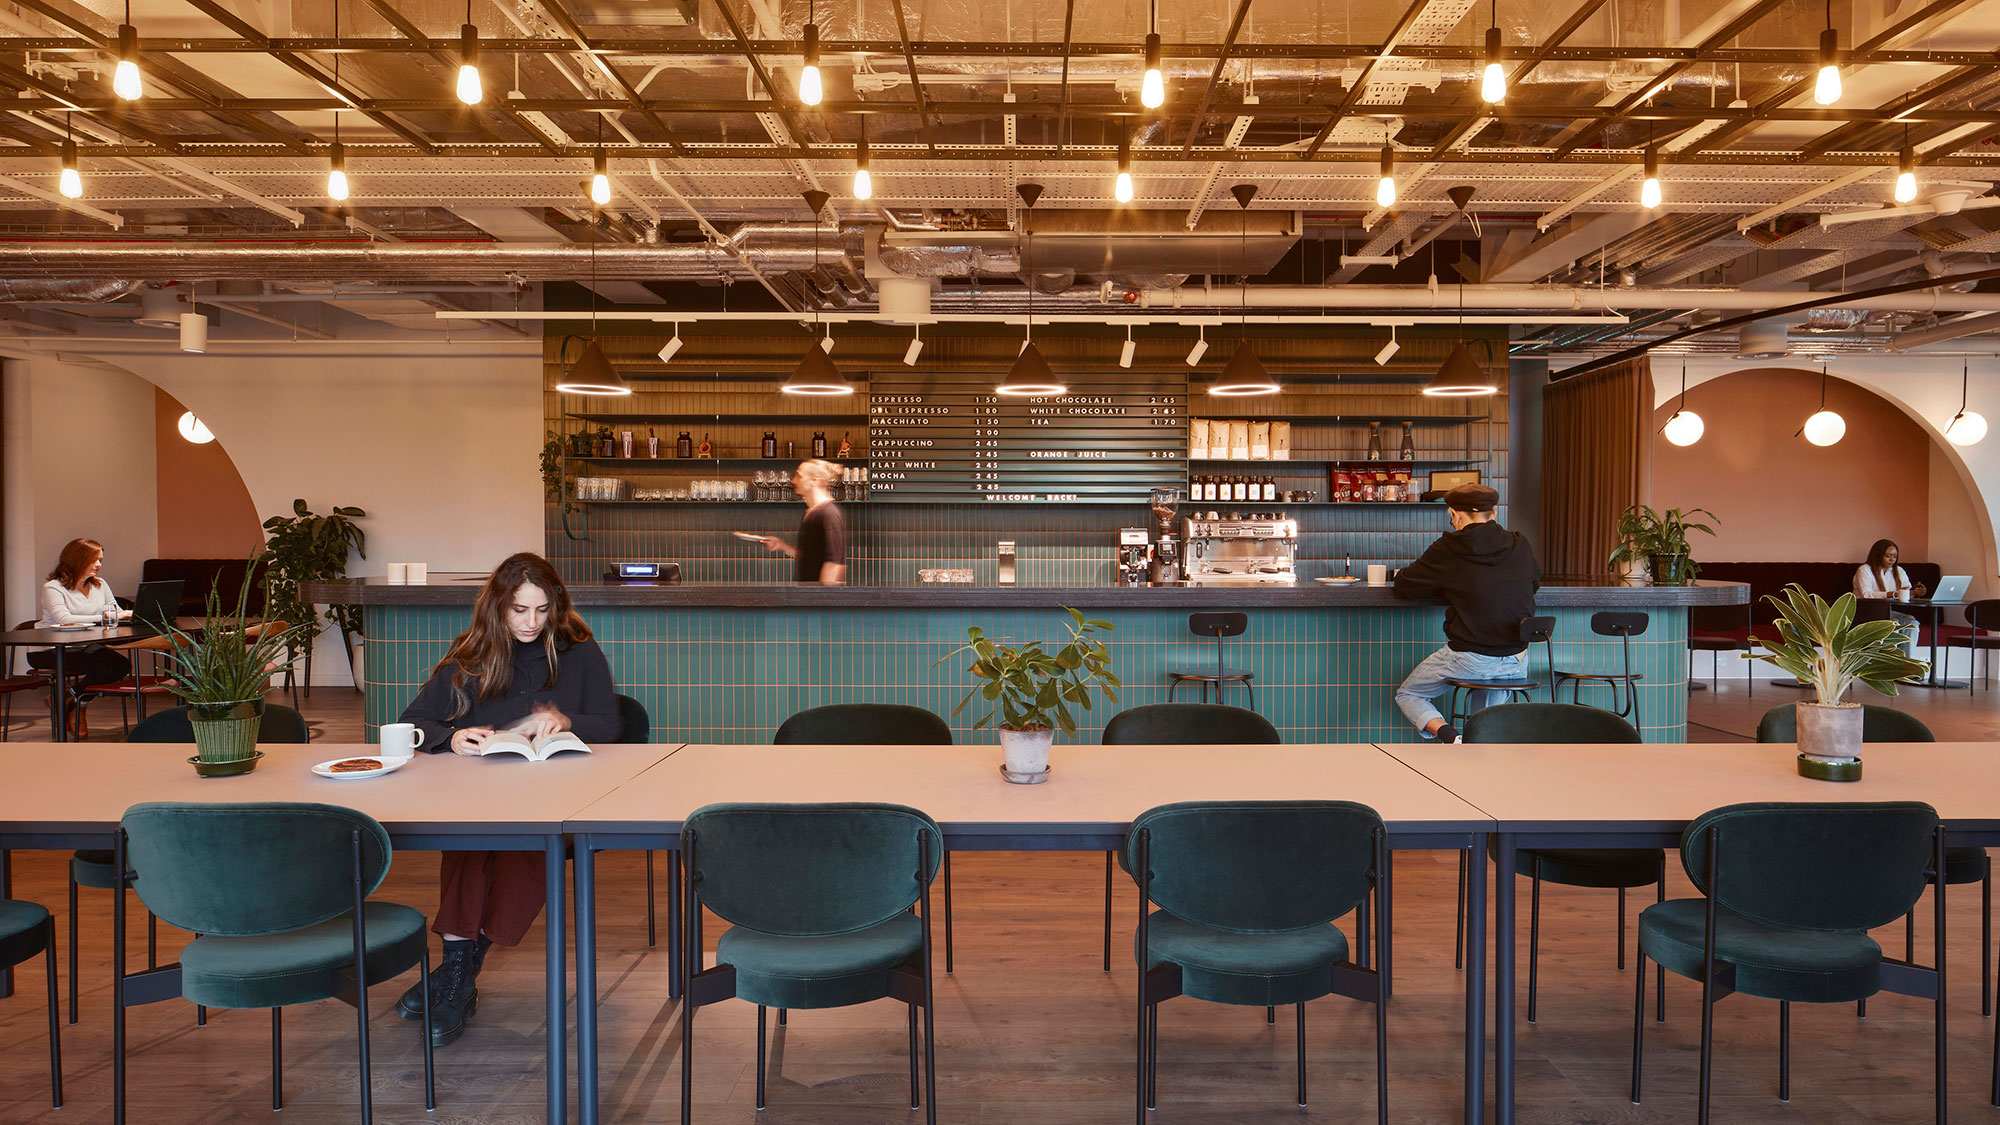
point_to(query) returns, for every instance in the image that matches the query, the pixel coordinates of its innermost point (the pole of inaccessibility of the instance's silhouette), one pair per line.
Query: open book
(534, 749)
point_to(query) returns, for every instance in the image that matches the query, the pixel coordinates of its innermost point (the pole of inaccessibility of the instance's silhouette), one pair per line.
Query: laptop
(156, 602)
(1950, 588)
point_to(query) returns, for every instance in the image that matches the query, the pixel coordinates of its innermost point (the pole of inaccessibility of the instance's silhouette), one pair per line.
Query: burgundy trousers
(498, 894)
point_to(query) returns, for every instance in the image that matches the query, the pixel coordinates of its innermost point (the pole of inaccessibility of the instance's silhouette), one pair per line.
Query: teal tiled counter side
(732, 674)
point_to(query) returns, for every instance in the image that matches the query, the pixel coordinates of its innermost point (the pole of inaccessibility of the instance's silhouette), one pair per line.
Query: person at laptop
(1881, 578)
(76, 594)
(526, 663)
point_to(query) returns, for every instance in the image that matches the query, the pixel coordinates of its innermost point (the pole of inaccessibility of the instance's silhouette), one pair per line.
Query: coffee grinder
(1134, 556)
(1166, 569)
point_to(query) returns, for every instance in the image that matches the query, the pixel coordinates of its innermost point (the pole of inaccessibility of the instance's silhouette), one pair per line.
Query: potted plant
(1031, 690)
(605, 447)
(221, 673)
(1822, 645)
(1660, 540)
(554, 486)
(582, 443)
(306, 547)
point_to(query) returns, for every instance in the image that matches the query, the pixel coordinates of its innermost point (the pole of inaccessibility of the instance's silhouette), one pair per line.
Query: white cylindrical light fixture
(194, 332)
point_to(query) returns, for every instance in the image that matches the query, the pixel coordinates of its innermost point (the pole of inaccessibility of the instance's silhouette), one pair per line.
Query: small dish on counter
(1340, 580)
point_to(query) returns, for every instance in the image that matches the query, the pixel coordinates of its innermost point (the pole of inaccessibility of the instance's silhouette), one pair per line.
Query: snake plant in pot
(1821, 644)
(1031, 690)
(221, 672)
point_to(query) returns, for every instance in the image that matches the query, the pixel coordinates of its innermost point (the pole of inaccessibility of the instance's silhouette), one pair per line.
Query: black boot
(458, 997)
(411, 1006)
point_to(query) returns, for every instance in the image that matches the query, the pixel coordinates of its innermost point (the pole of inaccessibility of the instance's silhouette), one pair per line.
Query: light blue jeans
(1426, 682)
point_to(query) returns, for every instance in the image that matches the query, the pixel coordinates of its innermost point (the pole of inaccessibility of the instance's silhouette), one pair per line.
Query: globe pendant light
(1244, 374)
(1966, 427)
(1825, 427)
(1685, 427)
(816, 373)
(592, 373)
(1030, 376)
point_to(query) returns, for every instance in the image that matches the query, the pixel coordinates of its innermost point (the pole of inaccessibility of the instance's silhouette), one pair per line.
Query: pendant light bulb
(1684, 428)
(125, 80)
(70, 183)
(1385, 188)
(810, 91)
(1967, 427)
(600, 179)
(1493, 83)
(1906, 176)
(469, 90)
(336, 176)
(1649, 191)
(1153, 88)
(1826, 89)
(864, 184)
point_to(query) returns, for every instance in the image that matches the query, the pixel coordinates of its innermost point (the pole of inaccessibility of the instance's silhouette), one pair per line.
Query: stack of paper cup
(399, 574)
(1378, 574)
(419, 573)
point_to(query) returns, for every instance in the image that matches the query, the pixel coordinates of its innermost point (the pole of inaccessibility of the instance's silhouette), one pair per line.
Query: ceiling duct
(1834, 320)
(64, 292)
(1762, 339)
(161, 308)
(905, 300)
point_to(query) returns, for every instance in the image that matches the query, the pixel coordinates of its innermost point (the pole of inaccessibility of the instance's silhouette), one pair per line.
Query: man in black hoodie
(1487, 578)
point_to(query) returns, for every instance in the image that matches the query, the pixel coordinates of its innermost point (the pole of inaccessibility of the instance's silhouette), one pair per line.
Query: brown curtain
(1597, 459)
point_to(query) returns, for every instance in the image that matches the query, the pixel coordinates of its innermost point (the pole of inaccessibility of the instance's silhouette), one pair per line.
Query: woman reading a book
(526, 664)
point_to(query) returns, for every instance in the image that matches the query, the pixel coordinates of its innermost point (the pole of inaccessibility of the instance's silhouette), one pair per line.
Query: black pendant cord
(1031, 275)
(1964, 391)
(1822, 386)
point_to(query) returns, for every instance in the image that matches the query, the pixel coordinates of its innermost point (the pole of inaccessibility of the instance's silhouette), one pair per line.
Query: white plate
(78, 625)
(389, 765)
(1346, 580)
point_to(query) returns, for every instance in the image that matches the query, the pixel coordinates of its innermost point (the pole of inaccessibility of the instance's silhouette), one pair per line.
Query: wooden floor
(1029, 1029)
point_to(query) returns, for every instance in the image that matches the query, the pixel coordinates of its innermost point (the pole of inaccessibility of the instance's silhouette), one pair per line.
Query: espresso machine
(1257, 551)
(1135, 556)
(1166, 568)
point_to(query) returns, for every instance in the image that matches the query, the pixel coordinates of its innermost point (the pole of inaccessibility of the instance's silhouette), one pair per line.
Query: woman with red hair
(75, 594)
(527, 663)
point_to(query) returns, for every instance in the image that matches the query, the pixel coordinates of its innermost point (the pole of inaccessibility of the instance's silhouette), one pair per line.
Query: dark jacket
(1487, 577)
(583, 691)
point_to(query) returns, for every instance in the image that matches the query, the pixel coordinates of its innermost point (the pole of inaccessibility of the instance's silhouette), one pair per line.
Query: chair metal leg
(1638, 1022)
(1534, 933)
(914, 1103)
(1910, 935)
(278, 1057)
(72, 950)
(55, 1021)
(674, 932)
(1153, 1039)
(1986, 941)
(1458, 938)
(947, 912)
(1660, 986)
(1361, 934)
(1937, 958)
(1108, 861)
(1621, 929)
(201, 1015)
(424, 1030)
(1784, 1050)
(152, 940)
(782, 1012)
(1302, 1055)
(1270, 1014)
(1252, 689)
(760, 1057)
(652, 936)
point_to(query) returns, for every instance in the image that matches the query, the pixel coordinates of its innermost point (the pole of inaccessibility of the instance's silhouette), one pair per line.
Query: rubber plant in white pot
(1821, 644)
(1032, 690)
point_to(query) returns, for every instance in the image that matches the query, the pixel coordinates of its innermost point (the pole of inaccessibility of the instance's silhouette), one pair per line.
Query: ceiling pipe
(1575, 298)
(1968, 326)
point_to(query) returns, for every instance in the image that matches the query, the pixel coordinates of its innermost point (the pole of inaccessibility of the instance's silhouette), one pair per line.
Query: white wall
(91, 476)
(437, 442)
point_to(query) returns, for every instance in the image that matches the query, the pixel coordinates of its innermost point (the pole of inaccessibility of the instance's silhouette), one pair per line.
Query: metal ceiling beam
(1215, 75)
(1062, 106)
(916, 83)
(235, 23)
(450, 61)
(778, 100)
(570, 28)
(1576, 19)
(1360, 85)
(119, 117)
(1728, 31)
(1930, 92)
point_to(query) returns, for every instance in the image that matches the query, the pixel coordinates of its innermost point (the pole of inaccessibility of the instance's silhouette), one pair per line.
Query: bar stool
(1217, 625)
(1624, 626)
(1534, 630)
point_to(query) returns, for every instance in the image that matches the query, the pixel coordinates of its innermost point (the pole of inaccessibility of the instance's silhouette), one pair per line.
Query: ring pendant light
(1030, 376)
(1244, 374)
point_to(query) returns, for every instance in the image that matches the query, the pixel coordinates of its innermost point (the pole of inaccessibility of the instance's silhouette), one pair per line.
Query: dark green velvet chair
(25, 930)
(278, 892)
(1963, 865)
(1247, 894)
(91, 867)
(1791, 893)
(873, 724)
(818, 898)
(1179, 724)
(1621, 868)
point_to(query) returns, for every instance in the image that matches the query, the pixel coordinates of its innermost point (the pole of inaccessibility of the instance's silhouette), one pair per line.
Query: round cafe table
(64, 639)
(1924, 607)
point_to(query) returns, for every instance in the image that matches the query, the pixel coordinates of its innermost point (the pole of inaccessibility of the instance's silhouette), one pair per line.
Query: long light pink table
(1568, 796)
(1090, 800)
(73, 795)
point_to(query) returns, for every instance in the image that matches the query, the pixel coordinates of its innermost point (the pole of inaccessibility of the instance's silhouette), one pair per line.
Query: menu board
(946, 438)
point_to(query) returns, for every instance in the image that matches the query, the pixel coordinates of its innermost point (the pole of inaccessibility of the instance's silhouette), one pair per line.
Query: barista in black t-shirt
(822, 549)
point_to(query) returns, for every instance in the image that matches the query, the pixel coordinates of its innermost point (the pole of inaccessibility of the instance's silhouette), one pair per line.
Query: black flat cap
(1472, 498)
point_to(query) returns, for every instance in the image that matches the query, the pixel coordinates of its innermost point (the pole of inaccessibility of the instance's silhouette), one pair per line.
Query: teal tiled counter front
(732, 673)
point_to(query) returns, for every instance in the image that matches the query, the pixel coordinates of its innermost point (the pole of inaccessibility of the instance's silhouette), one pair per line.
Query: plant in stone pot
(1660, 539)
(221, 672)
(1822, 644)
(1032, 690)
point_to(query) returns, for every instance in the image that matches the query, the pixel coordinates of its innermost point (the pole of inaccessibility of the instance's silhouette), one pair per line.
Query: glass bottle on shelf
(1408, 452)
(770, 443)
(1374, 441)
(1270, 488)
(819, 443)
(846, 447)
(684, 445)
(652, 443)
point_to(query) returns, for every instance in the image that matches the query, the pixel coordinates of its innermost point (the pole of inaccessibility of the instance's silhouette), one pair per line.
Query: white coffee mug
(399, 574)
(400, 740)
(418, 574)
(1378, 574)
